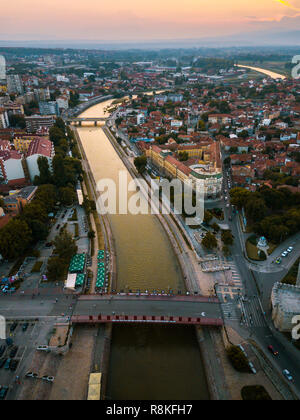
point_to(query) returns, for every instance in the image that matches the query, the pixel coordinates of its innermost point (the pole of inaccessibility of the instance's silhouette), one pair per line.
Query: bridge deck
(81, 319)
(171, 309)
(86, 119)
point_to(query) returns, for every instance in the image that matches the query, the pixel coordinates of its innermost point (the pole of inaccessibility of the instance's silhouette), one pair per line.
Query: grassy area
(37, 267)
(252, 251)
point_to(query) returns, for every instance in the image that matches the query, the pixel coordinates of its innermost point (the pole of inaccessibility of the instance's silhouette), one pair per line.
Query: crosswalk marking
(229, 311)
(252, 313)
(235, 276)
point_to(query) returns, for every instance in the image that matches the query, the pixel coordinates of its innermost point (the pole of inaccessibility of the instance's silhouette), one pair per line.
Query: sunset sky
(141, 20)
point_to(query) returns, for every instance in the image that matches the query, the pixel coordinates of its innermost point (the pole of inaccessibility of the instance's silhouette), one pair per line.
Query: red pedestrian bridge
(187, 310)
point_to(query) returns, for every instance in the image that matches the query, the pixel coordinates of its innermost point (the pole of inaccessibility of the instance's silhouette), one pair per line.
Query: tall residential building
(14, 84)
(2, 68)
(4, 121)
(42, 94)
(34, 122)
(62, 102)
(49, 108)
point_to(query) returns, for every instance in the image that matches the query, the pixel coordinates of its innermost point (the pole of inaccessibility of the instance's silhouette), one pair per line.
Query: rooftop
(40, 146)
(287, 297)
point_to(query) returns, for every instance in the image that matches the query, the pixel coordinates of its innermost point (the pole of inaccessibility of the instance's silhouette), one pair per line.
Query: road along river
(147, 361)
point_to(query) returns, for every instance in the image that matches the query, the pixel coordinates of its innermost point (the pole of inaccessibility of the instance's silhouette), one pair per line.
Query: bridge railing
(91, 319)
(151, 296)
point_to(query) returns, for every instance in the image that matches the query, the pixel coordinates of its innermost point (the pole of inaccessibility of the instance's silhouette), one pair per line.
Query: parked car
(31, 375)
(251, 365)
(288, 375)
(14, 364)
(48, 378)
(2, 362)
(44, 348)
(3, 392)
(273, 351)
(284, 254)
(25, 326)
(290, 249)
(7, 364)
(13, 326)
(9, 342)
(13, 351)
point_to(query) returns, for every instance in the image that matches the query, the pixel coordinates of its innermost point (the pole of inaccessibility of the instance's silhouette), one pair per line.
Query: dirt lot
(236, 380)
(71, 371)
(71, 380)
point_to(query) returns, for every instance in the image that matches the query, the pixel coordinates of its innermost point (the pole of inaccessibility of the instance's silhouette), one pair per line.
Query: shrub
(255, 393)
(262, 255)
(253, 240)
(238, 359)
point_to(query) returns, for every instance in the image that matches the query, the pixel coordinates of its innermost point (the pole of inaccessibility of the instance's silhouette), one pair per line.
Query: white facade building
(62, 102)
(61, 78)
(285, 305)
(2, 68)
(140, 119)
(4, 121)
(14, 84)
(40, 147)
(176, 123)
(11, 167)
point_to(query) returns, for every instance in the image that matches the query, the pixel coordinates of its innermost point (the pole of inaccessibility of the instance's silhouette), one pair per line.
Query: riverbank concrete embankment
(104, 336)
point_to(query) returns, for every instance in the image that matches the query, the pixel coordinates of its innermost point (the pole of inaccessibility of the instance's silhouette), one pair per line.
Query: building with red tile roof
(11, 167)
(40, 147)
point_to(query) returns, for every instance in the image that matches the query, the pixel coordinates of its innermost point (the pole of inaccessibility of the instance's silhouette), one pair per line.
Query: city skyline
(139, 21)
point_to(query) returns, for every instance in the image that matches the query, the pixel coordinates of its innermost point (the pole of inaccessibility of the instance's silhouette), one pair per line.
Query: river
(145, 258)
(269, 73)
(147, 361)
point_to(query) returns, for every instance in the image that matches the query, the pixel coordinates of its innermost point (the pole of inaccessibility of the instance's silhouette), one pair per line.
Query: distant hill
(251, 39)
